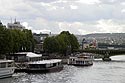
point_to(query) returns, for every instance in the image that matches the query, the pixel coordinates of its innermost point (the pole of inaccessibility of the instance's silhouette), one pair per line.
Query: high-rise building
(15, 25)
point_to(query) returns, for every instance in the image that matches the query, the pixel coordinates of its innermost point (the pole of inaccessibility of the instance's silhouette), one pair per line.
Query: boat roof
(84, 54)
(30, 54)
(3, 61)
(46, 61)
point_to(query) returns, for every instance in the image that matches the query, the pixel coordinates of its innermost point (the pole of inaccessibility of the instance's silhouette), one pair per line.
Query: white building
(15, 25)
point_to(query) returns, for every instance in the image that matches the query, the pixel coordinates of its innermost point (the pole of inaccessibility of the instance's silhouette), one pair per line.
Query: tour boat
(82, 59)
(6, 68)
(44, 66)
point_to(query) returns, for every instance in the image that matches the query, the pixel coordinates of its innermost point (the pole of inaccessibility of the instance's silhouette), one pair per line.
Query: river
(100, 72)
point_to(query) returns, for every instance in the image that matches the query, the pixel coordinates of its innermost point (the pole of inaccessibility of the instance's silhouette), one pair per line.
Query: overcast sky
(76, 16)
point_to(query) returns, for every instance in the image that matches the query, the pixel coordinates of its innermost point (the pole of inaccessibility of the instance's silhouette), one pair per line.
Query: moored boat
(82, 59)
(44, 66)
(6, 68)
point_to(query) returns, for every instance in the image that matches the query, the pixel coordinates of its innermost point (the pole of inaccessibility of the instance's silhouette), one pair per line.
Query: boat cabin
(24, 57)
(6, 63)
(45, 64)
(81, 59)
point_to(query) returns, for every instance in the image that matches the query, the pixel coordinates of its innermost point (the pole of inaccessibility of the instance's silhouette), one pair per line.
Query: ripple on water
(100, 72)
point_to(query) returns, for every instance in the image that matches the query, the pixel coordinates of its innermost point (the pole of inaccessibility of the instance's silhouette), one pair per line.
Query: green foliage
(64, 43)
(28, 43)
(74, 43)
(4, 40)
(14, 40)
(51, 44)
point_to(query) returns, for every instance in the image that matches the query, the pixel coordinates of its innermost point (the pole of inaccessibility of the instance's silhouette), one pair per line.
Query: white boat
(6, 68)
(82, 59)
(44, 66)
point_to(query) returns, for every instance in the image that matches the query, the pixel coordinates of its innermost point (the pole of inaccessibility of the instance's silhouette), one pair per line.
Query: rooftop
(29, 54)
(3, 61)
(46, 61)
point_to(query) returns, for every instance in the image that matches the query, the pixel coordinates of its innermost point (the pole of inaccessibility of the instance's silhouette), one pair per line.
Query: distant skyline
(76, 16)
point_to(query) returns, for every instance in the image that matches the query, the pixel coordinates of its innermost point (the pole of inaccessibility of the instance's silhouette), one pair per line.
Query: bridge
(105, 53)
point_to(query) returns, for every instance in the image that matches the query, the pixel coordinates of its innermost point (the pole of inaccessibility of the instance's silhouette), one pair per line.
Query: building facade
(15, 25)
(39, 38)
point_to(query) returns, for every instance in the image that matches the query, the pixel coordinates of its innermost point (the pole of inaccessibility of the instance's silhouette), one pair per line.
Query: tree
(14, 40)
(66, 42)
(74, 43)
(17, 39)
(5, 40)
(28, 44)
(51, 45)
(71, 42)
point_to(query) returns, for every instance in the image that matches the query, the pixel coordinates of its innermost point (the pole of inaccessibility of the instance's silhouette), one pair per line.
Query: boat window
(59, 63)
(51, 65)
(54, 64)
(42, 65)
(48, 65)
(76, 61)
(34, 66)
(10, 64)
(2, 65)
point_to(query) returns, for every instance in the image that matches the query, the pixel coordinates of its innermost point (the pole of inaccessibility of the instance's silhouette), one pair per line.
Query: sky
(76, 16)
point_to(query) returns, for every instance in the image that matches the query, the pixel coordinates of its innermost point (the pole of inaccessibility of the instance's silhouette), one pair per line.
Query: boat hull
(82, 64)
(44, 70)
(6, 72)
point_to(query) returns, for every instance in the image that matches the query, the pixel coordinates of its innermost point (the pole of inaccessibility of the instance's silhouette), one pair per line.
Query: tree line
(63, 43)
(14, 40)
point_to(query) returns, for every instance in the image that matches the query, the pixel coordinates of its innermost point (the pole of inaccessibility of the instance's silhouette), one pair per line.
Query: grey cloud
(48, 15)
(45, 1)
(84, 12)
(112, 1)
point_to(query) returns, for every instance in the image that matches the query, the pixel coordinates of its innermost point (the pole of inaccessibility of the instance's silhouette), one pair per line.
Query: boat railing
(21, 65)
(84, 59)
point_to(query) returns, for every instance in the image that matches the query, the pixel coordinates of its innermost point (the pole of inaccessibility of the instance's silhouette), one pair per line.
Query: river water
(100, 72)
